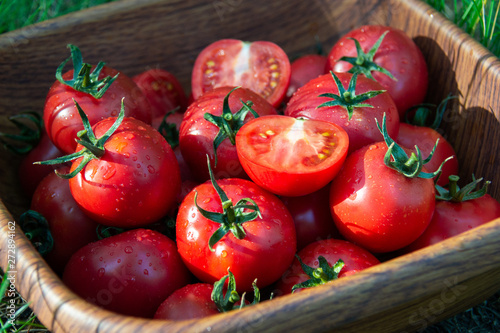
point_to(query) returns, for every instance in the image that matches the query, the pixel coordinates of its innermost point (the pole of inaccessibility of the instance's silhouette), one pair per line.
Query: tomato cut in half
(260, 66)
(291, 156)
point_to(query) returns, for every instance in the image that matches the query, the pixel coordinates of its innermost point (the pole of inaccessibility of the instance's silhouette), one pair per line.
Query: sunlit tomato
(397, 53)
(131, 273)
(377, 207)
(290, 156)
(260, 66)
(354, 257)
(361, 128)
(163, 91)
(197, 134)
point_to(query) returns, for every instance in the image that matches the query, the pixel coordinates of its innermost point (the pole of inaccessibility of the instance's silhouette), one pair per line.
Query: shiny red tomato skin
(189, 302)
(284, 167)
(362, 128)
(70, 227)
(425, 138)
(163, 91)
(260, 66)
(398, 53)
(131, 273)
(304, 69)
(453, 218)
(312, 217)
(135, 182)
(196, 134)
(375, 206)
(355, 260)
(61, 118)
(264, 254)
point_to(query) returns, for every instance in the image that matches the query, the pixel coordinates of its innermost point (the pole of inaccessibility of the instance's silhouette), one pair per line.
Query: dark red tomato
(189, 302)
(361, 128)
(425, 138)
(71, 229)
(163, 91)
(304, 69)
(196, 135)
(264, 253)
(135, 182)
(312, 217)
(131, 273)
(61, 117)
(30, 175)
(397, 53)
(377, 207)
(453, 218)
(260, 66)
(290, 156)
(354, 257)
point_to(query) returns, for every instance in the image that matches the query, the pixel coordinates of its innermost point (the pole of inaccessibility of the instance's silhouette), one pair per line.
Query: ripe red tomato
(70, 228)
(134, 183)
(163, 91)
(60, 115)
(312, 217)
(425, 138)
(260, 66)
(197, 134)
(289, 156)
(189, 302)
(265, 250)
(304, 69)
(131, 273)
(398, 54)
(361, 128)
(355, 259)
(377, 207)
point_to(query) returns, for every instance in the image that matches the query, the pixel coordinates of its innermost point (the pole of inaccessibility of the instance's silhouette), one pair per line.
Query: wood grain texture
(406, 293)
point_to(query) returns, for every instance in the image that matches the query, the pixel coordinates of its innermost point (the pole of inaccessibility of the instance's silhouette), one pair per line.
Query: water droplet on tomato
(100, 272)
(139, 262)
(101, 258)
(151, 169)
(129, 249)
(119, 261)
(223, 254)
(146, 272)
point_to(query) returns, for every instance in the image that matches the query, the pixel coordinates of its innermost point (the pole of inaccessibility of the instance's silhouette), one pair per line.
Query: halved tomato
(291, 156)
(260, 66)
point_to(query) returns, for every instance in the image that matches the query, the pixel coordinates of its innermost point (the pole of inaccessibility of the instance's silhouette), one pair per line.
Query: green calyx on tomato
(169, 130)
(233, 216)
(226, 302)
(28, 136)
(229, 123)
(348, 98)
(36, 229)
(364, 63)
(93, 148)
(83, 79)
(422, 114)
(411, 166)
(456, 194)
(321, 275)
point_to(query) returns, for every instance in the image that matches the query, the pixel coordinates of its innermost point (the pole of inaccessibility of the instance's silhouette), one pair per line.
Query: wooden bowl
(407, 293)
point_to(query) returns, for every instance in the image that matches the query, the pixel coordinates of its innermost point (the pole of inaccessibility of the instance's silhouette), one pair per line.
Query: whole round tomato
(131, 273)
(260, 66)
(304, 69)
(425, 138)
(289, 156)
(361, 127)
(398, 54)
(197, 134)
(376, 206)
(71, 229)
(312, 217)
(189, 302)
(261, 248)
(163, 91)
(354, 258)
(135, 182)
(60, 115)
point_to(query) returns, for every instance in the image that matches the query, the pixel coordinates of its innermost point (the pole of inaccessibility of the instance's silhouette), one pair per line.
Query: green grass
(479, 18)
